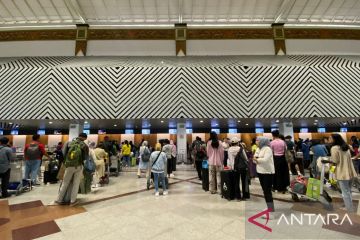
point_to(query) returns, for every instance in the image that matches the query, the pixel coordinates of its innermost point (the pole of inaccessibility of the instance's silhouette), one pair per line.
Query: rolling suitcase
(227, 184)
(51, 172)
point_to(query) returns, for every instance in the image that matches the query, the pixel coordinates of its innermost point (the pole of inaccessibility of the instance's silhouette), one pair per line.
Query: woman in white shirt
(265, 169)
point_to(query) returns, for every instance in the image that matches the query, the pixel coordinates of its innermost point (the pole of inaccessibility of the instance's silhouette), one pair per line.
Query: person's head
(36, 137)
(354, 139)
(275, 133)
(214, 140)
(59, 143)
(126, 142)
(100, 145)
(253, 141)
(315, 142)
(263, 142)
(106, 138)
(131, 143)
(337, 140)
(198, 138)
(145, 143)
(82, 136)
(92, 145)
(282, 137)
(4, 141)
(172, 142)
(158, 147)
(234, 141)
(288, 138)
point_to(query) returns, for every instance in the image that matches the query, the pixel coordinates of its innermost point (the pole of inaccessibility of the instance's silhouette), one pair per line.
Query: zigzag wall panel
(36, 88)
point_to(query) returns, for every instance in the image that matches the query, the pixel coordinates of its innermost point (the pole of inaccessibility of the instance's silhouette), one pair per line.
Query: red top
(41, 147)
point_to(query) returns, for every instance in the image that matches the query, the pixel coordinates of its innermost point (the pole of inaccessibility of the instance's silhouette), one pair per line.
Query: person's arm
(335, 155)
(42, 149)
(267, 156)
(10, 156)
(65, 149)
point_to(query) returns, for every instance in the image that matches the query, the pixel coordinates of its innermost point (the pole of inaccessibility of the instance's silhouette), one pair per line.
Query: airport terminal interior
(179, 119)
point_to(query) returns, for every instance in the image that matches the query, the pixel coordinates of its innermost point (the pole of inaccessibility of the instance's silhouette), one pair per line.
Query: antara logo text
(300, 220)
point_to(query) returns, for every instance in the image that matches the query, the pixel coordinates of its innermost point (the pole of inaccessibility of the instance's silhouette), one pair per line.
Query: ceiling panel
(20, 12)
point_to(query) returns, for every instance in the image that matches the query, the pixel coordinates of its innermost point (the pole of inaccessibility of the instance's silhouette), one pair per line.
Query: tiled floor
(126, 210)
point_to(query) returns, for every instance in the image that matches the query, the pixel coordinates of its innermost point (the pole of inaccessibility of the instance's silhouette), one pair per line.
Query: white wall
(323, 47)
(128, 137)
(131, 48)
(37, 48)
(19, 141)
(201, 135)
(162, 136)
(53, 140)
(230, 47)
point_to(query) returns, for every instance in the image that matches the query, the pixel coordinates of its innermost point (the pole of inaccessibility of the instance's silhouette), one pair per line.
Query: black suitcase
(205, 179)
(50, 176)
(227, 184)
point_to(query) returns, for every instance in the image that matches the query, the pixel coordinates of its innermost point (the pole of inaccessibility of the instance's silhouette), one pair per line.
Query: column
(181, 143)
(75, 130)
(81, 39)
(180, 39)
(286, 129)
(279, 38)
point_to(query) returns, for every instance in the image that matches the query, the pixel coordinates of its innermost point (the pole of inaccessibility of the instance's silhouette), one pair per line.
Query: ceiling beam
(285, 5)
(180, 10)
(7, 10)
(74, 6)
(352, 7)
(314, 10)
(131, 11)
(327, 9)
(337, 10)
(17, 8)
(302, 10)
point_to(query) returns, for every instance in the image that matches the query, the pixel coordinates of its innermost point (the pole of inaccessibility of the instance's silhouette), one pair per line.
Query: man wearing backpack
(33, 152)
(75, 153)
(144, 159)
(199, 151)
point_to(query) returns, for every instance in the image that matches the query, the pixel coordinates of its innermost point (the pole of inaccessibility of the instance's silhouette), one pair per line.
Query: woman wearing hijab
(144, 153)
(215, 153)
(265, 169)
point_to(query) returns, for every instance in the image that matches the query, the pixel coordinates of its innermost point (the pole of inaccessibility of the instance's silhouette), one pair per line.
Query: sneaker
(290, 173)
(165, 193)
(172, 175)
(157, 194)
(139, 176)
(271, 216)
(73, 204)
(54, 203)
(299, 174)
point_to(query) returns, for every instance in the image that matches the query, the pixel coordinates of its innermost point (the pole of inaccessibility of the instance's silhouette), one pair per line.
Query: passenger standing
(33, 153)
(305, 148)
(126, 151)
(75, 152)
(158, 168)
(238, 161)
(173, 156)
(199, 153)
(144, 153)
(167, 149)
(6, 156)
(290, 151)
(101, 156)
(215, 153)
(265, 169)
(254, 149)
(281, 178)
(345, 171)
(108, 146)
(319, 150)
(226, 146)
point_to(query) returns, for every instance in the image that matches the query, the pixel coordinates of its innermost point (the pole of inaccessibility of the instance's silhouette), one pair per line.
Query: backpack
(240, 160)
(145, 156)
(33, 152)
(74, 156)
(200, 151)
(90, 165)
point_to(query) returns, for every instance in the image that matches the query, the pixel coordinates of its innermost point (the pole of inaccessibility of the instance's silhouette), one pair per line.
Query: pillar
(279, 38)
(181, 142)
(180, 39)
(286, 129)
(81, 39)
(75, 130)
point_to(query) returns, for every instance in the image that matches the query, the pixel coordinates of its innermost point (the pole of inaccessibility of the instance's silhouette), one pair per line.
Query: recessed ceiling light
(201, 121)
(86, 122)
(10, 123)
(50, 122)
(277, 121)
(315, 123)
(239, 121)
(115, 125)
(344, 123)
(315, 120)
(353, 120)
(162, 121)
(247, 124)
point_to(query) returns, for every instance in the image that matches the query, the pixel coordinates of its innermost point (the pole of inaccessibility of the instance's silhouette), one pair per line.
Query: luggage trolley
(115, 166)
(16, 183)
(324, 196)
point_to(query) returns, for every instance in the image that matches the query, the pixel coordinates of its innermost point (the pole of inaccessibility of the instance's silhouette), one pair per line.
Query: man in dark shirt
(6, 155)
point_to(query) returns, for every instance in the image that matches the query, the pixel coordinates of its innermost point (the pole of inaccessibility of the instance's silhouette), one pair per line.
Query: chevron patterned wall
(199, 87)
